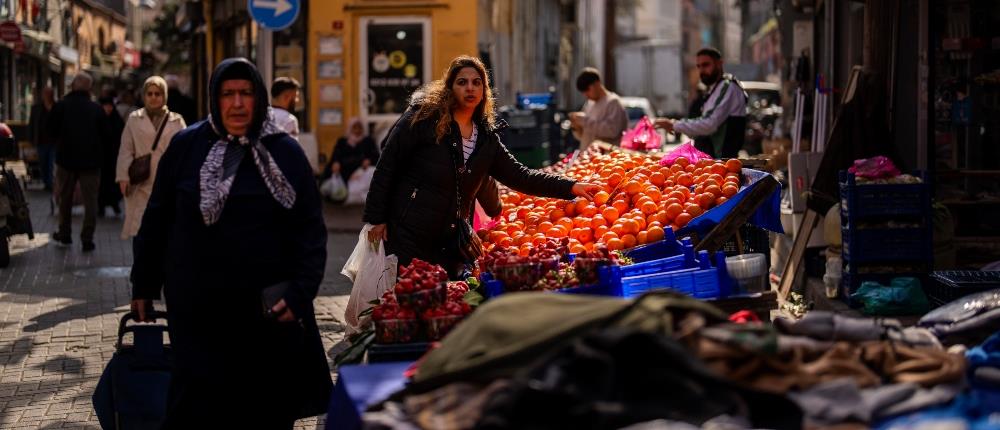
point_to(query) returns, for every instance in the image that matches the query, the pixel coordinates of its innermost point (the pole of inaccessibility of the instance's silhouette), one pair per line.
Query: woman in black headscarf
(234, 235)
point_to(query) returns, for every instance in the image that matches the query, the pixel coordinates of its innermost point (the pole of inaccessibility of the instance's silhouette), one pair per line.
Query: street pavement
(60, 308)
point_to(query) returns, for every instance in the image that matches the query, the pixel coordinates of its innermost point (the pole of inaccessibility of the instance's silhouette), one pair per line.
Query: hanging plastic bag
(686, 150)
(334, 189)
(358, 185)
(372, 272)
(642, 137)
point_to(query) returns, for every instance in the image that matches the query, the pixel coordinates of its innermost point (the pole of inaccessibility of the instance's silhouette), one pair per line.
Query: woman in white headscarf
(139, 139)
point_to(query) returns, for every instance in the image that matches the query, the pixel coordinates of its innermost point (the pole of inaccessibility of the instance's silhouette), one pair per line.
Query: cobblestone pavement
(59, 312)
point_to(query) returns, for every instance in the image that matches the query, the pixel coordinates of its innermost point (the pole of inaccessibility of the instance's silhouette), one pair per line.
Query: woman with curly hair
(436, 158)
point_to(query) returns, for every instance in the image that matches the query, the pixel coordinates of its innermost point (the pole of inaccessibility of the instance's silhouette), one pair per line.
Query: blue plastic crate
(668, 247)
(887, 244)
(865, 200)
(703, 282)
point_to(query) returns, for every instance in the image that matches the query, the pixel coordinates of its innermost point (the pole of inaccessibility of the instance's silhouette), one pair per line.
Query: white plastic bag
(373, 274)
(358, 185)
(334, 188)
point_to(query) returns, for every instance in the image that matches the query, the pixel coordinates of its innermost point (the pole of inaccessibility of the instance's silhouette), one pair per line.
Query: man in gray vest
(720, 127)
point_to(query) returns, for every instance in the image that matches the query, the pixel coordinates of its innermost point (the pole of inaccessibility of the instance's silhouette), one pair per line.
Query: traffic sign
(10, 32)
(274, 14)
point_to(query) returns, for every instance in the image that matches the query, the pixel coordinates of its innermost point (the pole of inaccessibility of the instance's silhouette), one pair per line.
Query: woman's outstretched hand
(585, 190)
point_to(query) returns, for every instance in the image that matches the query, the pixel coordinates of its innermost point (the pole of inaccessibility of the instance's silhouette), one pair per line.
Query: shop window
(395, 56)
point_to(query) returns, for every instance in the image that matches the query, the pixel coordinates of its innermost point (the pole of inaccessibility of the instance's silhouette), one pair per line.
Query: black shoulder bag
(464, 242)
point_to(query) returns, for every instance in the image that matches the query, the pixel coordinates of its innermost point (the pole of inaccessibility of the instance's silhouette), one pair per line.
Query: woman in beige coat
(137, 140)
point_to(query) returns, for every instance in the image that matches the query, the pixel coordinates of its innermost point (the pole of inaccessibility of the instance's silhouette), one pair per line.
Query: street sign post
(274, 14)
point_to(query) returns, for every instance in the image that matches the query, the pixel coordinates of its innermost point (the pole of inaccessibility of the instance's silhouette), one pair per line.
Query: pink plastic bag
(877, 167)
(686, 150)
(642, 137)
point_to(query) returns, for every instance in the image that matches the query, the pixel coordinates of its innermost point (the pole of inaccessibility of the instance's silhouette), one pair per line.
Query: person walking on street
(435, 161)
(603, 116)
(352, 152)
(179, 102)
(81, 129)
(284, 98)
(41, 135)
(719, 127)
(234, 237)
(143, 136)
(109, 195)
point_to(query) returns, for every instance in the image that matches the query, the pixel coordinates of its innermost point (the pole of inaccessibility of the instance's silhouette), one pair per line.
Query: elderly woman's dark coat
(234, 365)
(413, 190)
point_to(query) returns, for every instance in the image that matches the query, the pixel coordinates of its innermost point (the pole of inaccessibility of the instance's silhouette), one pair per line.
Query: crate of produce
(862, 245)
(668, 247)
(876, 199)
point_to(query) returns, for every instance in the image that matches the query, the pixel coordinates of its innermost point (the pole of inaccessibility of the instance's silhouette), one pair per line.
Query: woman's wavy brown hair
(437, 98)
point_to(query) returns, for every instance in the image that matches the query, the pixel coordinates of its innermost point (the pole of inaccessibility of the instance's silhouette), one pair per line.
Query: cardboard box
(802, 166)
(790, 221)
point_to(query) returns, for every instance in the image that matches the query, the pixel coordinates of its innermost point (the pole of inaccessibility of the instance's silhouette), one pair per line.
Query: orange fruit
(629, 240)
(721, 200)
(676, 168)
(694, 210)
(657, 178)
(729, 190)
(618, 229)
(586, 235)
(640, 220)
(654, 234)
(589, 211)
(556, 214)
(714, 190)
(597, 221)
(673, 210)
(630, 226)
(615, 244)
(580, 204)
(682, 219)
(654, 193)
(565, 223)
(658, 216)
(545, 226)
(641, 238)
(581, 222)
(608, 236)
(600, 231)
(621, 207)
(718, 168)
(706, 200)
(648, 208)
(682, 161)
(556, 232)
(577, 248)
(601, 197)
(734, 165)
(685, 179)
(632, 187)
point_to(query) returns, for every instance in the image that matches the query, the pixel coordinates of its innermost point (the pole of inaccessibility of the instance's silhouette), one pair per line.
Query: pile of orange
(639, 200)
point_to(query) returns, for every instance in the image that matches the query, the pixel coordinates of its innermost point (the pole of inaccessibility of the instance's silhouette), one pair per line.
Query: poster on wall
(331, 117)
(331, 93)
(331, 45)
(288, 55)
(331, 69)
(290, 72)
(395, 64)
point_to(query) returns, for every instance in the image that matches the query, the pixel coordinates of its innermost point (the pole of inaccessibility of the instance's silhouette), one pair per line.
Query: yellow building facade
(366, 56)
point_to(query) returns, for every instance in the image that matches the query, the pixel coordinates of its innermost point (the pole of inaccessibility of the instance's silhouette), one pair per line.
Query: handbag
(139, 170)
(464, 242)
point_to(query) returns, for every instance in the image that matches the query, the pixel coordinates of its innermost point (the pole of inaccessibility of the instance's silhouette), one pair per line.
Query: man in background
(719, 129)
(284, 97)
(180, 103)
(603, 116)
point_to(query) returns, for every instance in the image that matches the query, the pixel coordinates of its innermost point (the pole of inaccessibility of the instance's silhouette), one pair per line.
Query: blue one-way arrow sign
(274, 14)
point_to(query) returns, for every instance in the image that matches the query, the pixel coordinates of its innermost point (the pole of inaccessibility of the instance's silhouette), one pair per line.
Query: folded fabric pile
(538, 361)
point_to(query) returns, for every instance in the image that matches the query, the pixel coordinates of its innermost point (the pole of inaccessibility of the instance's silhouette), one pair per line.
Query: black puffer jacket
(413, 190)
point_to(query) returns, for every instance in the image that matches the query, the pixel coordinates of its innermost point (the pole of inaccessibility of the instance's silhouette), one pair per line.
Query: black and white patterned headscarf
(220, 167)
(219, 170)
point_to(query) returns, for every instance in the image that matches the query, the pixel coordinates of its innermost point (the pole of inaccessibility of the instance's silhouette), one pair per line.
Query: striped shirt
(468, 145)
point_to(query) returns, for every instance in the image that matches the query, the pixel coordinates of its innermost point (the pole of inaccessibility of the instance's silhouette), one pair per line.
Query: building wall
(453, 31)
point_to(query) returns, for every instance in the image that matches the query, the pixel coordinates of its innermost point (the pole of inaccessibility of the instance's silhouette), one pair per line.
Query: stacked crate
(886, 231)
